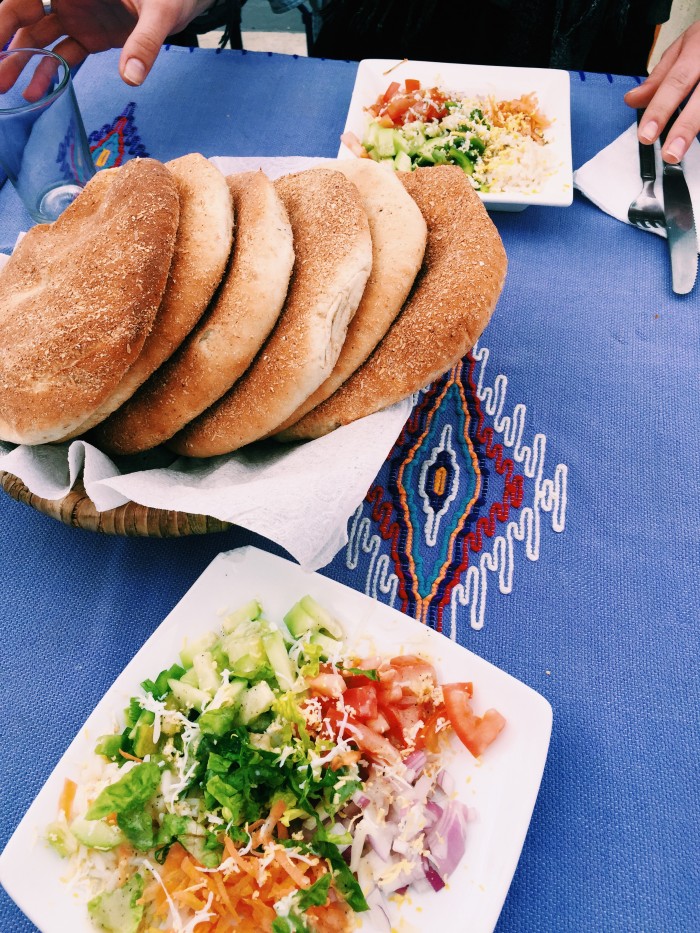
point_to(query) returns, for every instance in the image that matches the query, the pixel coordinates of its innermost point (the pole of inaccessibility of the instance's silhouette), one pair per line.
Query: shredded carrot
(65, 801)
(240, 860)
(241, 894)
(130, 757)
(265, 832)
(294, 873)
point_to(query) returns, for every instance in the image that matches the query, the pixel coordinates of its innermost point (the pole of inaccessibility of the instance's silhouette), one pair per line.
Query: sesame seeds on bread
(333, 258)
(78, 299)
(227, 338)
(399, 235)
(202, 248)
(452, 300)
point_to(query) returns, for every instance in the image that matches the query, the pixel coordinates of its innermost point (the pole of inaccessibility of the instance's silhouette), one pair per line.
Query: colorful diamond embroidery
(458, 488)
(110, 144)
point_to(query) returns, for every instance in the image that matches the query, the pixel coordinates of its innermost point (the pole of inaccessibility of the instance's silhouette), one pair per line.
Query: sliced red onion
(446, 839)
(381, 838)
(432, 876)
(445, 781)
(362, 800)
(434, 810)
(415, 763)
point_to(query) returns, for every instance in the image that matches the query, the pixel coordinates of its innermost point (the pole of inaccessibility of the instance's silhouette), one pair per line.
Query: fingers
(69, 49)
(14, 14)
(156, 21)
(675, 78)
(683, 131)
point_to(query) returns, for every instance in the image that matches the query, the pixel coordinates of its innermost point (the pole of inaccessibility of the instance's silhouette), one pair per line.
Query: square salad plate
(551, 87)
(499, 788)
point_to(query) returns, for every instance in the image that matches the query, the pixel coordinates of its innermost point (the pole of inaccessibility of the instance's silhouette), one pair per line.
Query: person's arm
(139, 26)
(676, 76)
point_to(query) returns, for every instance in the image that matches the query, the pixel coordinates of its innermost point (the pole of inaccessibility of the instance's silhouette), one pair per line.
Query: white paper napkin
(611, 178)
(300, 496)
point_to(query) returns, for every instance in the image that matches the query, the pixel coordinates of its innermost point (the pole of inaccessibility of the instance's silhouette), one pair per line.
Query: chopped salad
(500, 144)
(270, 781)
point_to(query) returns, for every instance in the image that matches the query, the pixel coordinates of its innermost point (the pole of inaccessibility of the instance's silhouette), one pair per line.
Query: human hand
(676, 76)
(139, 26)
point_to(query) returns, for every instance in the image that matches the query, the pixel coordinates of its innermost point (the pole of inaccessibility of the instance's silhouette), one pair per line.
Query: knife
(680, 225)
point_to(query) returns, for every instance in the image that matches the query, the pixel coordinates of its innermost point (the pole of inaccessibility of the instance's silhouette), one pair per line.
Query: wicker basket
(131, 520)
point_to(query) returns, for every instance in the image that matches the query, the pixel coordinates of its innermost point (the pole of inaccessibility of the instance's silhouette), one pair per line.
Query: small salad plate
(499, 788)
(551, 87)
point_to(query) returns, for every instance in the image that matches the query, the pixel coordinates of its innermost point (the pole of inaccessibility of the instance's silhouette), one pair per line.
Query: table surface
(576, 569)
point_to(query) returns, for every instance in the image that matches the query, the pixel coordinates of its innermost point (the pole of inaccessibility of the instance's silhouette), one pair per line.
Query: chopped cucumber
(189, 677)
(188, 697)
(207, 674)
(246, 654)
(309, 616)
(276, 651)
(61, 840)
(256, 701)
(119, 911)
(97, 834)
(330, 648)
(229, 694)
(190, 649)
(402, 162)
(247, 613)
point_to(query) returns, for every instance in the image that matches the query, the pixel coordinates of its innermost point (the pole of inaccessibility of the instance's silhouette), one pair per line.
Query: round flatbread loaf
(399, 235)
(223, 344)
(202, 248)
(79, 297)
(451, 303)
(333, 258)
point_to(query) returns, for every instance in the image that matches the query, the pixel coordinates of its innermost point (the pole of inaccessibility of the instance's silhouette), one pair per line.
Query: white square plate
(501, 788)
(374, 75)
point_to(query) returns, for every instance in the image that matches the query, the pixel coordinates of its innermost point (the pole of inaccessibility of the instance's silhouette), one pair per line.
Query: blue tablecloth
(575, 567)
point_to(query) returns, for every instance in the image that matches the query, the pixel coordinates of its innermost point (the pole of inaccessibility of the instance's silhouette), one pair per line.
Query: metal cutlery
(680, 225)
(646, 210)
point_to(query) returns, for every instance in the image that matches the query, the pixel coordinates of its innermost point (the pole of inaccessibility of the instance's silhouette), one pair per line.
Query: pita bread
(333, 251)
(227, 339)
(399, 235)
(202, 247)
(78, 299)
(451, 303)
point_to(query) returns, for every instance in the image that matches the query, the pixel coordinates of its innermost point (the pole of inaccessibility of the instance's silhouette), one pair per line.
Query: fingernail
(135, 71)
(649, 131)
(675, 149)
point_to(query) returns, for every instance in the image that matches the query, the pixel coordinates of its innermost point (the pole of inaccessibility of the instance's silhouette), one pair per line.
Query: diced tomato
(475, 732)
(375, 745)
(389, 93)
(385, 121)
(397, 108)
(412, 84)
(401, 721)
(413, 674)
(428, 735)
(363, 701)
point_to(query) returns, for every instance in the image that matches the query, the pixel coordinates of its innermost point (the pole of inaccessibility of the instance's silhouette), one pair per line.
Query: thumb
(156, 21)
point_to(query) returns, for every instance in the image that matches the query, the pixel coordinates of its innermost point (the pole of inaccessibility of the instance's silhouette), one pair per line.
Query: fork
(646, 210)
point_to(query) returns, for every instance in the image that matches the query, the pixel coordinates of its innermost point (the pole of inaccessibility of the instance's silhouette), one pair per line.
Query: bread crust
(333, 250)
(452, 300)
(202, 247)
(399, 235)
(78, 298)
(227, 338)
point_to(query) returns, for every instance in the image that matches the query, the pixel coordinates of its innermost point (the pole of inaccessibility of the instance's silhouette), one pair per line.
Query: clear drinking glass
(43, 147)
